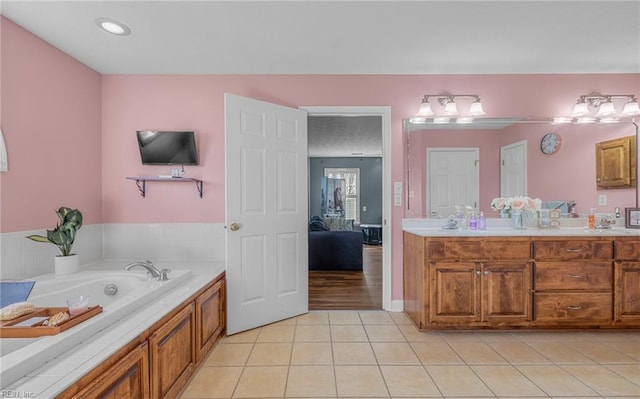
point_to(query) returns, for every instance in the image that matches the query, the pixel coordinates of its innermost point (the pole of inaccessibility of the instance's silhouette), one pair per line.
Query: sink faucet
(161, 275)
(605, 223)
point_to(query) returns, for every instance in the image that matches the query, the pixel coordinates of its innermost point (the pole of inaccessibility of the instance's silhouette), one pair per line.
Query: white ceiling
(342, 37)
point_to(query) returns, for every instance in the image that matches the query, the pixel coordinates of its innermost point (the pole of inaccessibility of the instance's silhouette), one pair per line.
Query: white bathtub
(20, 356)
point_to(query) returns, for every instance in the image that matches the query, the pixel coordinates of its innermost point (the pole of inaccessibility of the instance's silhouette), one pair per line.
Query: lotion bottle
(473, 222)
(482, 222)
(592, 219)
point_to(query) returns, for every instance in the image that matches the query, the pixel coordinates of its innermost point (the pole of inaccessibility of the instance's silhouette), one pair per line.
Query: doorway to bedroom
(345, 212)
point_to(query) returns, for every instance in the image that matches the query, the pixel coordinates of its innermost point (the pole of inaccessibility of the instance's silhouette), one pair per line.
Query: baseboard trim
(397, 305)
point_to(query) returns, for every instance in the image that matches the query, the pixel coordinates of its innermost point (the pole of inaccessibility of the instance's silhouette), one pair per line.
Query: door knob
(234, 227)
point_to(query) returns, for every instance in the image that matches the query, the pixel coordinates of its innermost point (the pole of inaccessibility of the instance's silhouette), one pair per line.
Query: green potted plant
(63, 236)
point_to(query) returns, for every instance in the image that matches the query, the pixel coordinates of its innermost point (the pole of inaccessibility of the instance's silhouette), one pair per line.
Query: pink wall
(52, 102)
(51, 124)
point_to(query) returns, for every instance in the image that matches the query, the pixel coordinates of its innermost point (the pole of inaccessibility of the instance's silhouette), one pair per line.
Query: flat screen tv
(167, 147)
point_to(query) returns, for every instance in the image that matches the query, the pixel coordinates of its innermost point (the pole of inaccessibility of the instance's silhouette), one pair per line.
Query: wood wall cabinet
(522, 282)
(627, 280)
(616, 163)
(160, 361)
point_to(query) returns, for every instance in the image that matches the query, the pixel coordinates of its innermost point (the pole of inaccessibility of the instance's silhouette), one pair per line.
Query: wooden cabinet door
(209, 318)
(126, 379)
(173, 354)
(616, 163)
(627, 291)
(455, 292)
(506, 291)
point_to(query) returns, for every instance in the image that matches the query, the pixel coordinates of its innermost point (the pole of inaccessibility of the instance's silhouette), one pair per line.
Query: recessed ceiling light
(112, 26)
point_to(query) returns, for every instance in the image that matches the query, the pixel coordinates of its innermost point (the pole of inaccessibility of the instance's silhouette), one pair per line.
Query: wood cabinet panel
(210, 318)
(627, 248)
(506, 288)
(173, 354)
(573, 307)
(627, 291)
(481, 249)
(616, 163)
(584, 275)
(455, 292)
(573, 249)
(413, 277)
(126, 379)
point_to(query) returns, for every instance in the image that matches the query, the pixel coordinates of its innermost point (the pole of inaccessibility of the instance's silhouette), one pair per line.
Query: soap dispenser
(592, 219)
(473, 222)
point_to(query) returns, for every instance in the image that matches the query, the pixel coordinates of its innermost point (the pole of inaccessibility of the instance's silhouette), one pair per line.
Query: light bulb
(114, 27)
(425, 108)
(606, 108)
(586, 120)
(450, 108)
(464, 119)
(581, 108)
(562, 119)
(476, 108)
(441, 119)
(631, 108)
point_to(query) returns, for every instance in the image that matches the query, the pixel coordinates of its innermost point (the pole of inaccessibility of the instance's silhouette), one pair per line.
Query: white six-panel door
(513, 169)
(266, 212)
(452, 179)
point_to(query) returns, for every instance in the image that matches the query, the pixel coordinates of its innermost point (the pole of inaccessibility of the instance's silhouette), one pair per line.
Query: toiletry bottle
(473, 222)
(592, 219)
(482, 222)
(460, 219)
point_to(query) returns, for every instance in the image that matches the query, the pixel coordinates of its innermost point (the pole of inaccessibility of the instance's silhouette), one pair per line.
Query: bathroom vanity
(505, 278)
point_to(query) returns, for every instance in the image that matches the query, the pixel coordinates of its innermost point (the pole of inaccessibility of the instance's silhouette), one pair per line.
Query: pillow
(339, 224)
(317, 224)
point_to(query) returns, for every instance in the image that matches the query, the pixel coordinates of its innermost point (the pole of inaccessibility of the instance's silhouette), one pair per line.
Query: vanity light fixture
(112, 26)
(604, 105)
(448, 104)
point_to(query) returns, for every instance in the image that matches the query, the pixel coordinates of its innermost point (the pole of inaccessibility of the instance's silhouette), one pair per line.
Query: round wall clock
(550, 143)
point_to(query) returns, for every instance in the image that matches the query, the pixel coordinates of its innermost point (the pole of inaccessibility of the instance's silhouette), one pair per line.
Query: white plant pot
(66, 264)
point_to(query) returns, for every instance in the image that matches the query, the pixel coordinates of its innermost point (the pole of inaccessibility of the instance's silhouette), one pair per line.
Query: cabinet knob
(486, 272)
(478, 272)
(574, 307)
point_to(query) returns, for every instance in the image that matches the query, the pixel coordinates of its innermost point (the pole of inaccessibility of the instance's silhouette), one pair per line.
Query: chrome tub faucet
(160, 274)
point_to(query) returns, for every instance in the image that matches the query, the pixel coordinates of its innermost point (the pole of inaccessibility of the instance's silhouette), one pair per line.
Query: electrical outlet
(602, 199)
(364, 208)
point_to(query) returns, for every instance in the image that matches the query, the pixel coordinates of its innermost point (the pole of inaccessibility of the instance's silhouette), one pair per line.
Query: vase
(505, 214)
(66, 264)
(518, 220)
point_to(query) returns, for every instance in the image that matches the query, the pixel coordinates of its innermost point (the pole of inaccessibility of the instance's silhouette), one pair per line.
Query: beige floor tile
(344, 317)
(270, 354)
(409, 381)
(213, 382)
(312, 333)
(286, 322)
(400, 318)
(629, 348)
(394, 353)
(518, 353)
(353, 353)
(348, 334)
(560, 353)
(497, 336)
(477, 353)
(460, 336)
(507, 381)
(412, 334)
(360, 381)
(384, 333)
(600, 352)
(435, 353)
(555, 381)
(535, 336)
(262, 382)
(313, 318)
(229, 355)
(311, 381)
(375, 317)
(603, 380)
(243, 337)
(458, 381)
(629, 371)
(282, 333)
(311, 353)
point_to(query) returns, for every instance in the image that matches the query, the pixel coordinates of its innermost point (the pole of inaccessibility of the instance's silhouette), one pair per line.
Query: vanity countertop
(529, 232)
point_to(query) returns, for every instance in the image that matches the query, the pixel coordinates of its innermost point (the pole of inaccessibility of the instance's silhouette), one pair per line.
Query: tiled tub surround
(78, 356)
(23, 258)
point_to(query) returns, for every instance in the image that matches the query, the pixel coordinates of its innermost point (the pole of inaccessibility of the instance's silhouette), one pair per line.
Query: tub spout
(150, 268)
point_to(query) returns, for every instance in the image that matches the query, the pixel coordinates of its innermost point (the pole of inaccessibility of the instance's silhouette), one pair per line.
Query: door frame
(385, 113)
(429, 150)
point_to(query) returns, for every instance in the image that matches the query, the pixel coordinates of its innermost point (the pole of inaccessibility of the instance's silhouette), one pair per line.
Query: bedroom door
(266, 212)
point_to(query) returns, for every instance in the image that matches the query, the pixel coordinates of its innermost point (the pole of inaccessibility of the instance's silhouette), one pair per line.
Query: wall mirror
(471, 164)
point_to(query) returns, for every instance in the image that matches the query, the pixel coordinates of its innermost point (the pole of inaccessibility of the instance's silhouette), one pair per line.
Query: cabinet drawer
(627, 249)
(479, 249)
(578, 307)
(573, 276)
(572, 249)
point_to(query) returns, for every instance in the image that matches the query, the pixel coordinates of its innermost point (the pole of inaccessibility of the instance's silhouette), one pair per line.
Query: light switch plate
(397, 188)
(602, 199)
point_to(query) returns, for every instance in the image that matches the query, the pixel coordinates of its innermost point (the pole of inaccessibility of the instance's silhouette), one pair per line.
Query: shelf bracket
(199, 187)
(142, 186)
